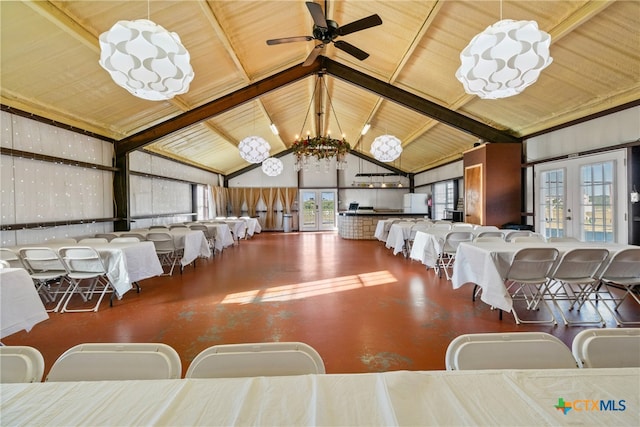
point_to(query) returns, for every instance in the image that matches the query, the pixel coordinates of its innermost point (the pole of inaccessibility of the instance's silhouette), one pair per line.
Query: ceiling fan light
(145, 59)
(504, 59)
(254, 149)
(386, 148)
(272, 166)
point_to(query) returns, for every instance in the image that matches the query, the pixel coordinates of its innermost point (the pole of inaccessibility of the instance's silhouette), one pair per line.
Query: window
(202, 201)
(443, 198)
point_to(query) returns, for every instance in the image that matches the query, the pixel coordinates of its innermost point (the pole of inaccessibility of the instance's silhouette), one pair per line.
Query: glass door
(318, 210)
(583, 198)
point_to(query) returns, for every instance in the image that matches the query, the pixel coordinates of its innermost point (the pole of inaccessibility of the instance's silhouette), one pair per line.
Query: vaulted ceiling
(406, 87)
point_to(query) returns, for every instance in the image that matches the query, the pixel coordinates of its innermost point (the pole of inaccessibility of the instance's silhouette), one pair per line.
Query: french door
(583, 198)
(318, 210)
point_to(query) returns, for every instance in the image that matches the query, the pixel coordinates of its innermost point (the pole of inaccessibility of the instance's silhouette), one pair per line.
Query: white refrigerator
(415, 203)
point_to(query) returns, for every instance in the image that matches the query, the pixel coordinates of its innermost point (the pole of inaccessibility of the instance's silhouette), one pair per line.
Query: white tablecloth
(487, 398)
(125, 262)
(193, 242)
(427, 246)
(486, 264)
(398, 233)
(20, 304)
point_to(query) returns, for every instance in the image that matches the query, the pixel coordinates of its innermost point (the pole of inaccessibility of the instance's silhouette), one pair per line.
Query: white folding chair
(607, 348)
(20, 364)
(88, 276)
(11, 258)
(207, 234)
(534, 238)
(490, 233)
(125, 240)
(449, 247)
(116, 361)
(526, 280)
(166, 250)
(255, 360)
(562, 239)
(48, 273)
(574, 279)
(92, 240)
(508, 350)
(622, 270)
(108, 236)
(140, 237)
(513, 234)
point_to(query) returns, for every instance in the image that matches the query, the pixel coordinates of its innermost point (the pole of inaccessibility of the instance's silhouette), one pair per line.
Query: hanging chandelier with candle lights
(319, 150)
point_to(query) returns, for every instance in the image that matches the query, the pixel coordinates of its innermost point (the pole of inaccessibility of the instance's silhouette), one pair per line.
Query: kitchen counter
(361, 225)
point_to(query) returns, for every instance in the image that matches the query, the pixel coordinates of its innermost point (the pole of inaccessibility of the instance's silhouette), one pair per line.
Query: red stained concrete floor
(362, 308)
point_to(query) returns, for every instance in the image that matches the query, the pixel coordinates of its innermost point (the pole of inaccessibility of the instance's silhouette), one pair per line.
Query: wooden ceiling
(50, 51)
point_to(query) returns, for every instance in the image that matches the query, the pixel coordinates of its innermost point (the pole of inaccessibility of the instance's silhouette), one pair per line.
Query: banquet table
(20, 305)
(193, 242)
(399, 233)
(382, 228)
(427, 246)
(253, 225)
(486, 263)
(125, 262)
(489, 398)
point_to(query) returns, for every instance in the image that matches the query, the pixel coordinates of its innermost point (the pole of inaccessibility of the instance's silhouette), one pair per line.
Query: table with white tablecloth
(488, 398)
(486, 263)
(193, 242)
(125, 262)
(399, 233)
(427, 246)
(20, 305)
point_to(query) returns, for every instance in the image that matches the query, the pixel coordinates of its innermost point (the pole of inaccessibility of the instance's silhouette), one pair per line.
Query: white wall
(34, 191)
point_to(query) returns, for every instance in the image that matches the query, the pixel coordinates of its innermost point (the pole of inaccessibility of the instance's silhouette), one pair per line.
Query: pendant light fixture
(272, 166)
(145, 59)
(386, 148)
(504, 59)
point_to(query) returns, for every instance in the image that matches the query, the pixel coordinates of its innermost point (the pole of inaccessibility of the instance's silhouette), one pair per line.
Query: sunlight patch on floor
(310, 289)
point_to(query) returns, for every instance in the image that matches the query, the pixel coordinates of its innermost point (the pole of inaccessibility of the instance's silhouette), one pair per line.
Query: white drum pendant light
(272, 166)
(145, 59)
(386, 148)
(254, 149)
(504, 59)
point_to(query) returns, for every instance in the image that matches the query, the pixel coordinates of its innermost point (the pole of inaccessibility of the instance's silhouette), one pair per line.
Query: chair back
(527, 239)
(513, 234)
(441, 226)
(623, 267)
(138, 236)
(125, 240)
(488, 239)
(461, 226)
(201, 227)
(117, 361)
(11, 258)
(108, 236)
(510, 350)
(607, 348)
(532, 265)
(172, 226)
(255, 360)
(579, 264)
(42, 262)
(494, 233)
(562, 239)
(162, 241)
(453, 239)
(158, 227)
(81, 262)
(20, 364)
(93, 240)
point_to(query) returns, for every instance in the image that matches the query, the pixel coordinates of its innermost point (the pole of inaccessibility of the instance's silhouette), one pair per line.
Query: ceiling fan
(326, 31)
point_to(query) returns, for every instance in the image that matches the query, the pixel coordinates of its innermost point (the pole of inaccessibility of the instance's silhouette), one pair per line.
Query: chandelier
(318, 150)
(145, 59)
(504, 59)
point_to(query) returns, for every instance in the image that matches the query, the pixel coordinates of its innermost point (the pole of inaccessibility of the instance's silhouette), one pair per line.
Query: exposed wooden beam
(418, 104)
(215, 107)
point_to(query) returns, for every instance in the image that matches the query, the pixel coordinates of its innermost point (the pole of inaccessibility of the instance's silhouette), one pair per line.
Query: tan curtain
(235, 194)
(290, 194)
(254, 199)
(279, 198)
(220, 199)
(270, 194)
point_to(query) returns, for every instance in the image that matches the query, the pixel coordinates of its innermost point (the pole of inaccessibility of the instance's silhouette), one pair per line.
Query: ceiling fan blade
(317, 14)
(289, 40)
(360, 24)
(351, 49)
(313, 55)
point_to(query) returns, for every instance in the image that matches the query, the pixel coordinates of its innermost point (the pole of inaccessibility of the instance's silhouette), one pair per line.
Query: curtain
(254, 199)
(220, 197)
(235, 194)
(290, 194)
(211, 212)
(270, 197)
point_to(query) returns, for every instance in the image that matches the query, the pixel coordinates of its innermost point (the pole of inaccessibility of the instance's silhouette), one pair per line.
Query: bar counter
(361, 225)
